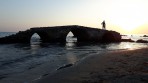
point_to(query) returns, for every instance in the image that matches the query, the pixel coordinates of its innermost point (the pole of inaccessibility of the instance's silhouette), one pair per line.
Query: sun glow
(128, 22)
(123, 16)
(128, 16)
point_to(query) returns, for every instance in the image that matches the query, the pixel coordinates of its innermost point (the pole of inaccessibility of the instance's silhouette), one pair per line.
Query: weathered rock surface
(59, 33)
(111, 36)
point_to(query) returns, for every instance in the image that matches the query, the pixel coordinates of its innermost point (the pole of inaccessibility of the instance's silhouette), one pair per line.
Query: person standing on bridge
(103, 25)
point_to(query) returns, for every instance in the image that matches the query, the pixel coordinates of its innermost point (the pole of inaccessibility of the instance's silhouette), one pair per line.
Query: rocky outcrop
(59, 33)
(20, 37)
(127, 40)
(141, 41)
(111, 36)
(145, 36)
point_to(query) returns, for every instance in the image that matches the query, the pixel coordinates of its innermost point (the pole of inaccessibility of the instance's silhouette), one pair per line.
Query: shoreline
(118, 66)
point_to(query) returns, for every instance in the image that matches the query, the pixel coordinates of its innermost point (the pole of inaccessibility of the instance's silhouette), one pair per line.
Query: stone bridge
(59, 34)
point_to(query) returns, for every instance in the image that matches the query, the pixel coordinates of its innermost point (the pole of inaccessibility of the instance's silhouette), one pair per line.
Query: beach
(72, 62)
(74, 41)
(121, 66)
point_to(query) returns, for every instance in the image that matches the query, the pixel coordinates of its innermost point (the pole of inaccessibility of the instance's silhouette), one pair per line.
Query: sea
(25, 63)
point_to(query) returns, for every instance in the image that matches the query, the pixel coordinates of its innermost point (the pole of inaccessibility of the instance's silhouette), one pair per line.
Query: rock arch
(59, 33)
(35, 37)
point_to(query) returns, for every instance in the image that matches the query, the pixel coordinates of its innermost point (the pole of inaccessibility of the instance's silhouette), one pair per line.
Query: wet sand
(126, 66)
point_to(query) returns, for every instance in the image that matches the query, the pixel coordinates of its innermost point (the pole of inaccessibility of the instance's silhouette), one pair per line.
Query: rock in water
(112, 36)
(141, 41)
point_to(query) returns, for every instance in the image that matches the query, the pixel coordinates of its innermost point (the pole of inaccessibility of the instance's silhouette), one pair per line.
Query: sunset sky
(124, 16)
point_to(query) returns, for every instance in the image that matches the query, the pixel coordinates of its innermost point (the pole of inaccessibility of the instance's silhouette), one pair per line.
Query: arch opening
(71, 40)
(35, 39)
(71, 37)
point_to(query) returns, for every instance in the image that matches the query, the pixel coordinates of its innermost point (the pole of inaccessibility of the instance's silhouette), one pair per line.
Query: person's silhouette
(103, 25)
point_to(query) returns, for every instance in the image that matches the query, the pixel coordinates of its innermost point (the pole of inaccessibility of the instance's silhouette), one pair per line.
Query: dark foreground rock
(59, 33)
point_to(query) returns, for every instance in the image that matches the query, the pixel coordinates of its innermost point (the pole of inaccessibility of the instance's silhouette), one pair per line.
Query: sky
(124, 16)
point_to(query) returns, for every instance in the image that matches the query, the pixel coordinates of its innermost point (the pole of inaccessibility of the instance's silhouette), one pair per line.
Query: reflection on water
(19, 60)
(71, 57)
(127, 46)
(34, 48)
(70, 41)
(70, 45)
(35, 43)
